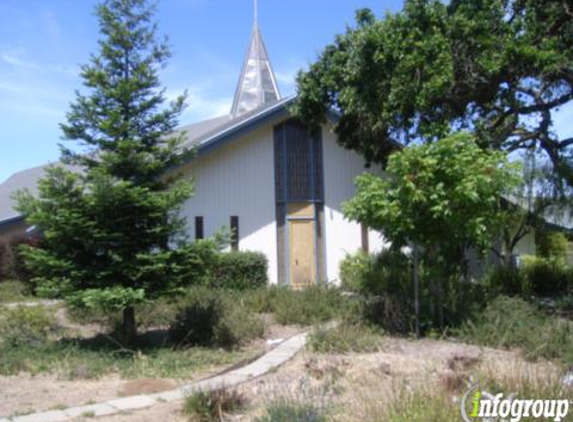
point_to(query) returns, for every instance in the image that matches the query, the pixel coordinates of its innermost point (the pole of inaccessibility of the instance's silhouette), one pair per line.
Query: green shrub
(354, 269)
(565, 303)
(513, 323)
(262, 300)
(552, 245)
(387, 273)
(209, 317)
(5, 257)
(209, 406)
(547, 276)
(12, 261)
(345, 338)
(290, 410)
(26, 325)
(239, 271)
(310, 306)
(503, 280)
(14, 291)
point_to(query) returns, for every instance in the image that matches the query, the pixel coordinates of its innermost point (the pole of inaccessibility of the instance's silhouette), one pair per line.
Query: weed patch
(210, 406)
(346, 338)
(290, 410)
(514, 323)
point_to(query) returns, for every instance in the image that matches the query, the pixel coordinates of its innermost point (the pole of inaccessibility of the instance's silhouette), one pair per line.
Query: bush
(513, 323)
(552, 245)
(354, 269)
(14, 291)
(12, 261)
(208, 317)
(310, 306)
(503, 280)
(387, 273)
(209, 406)
(284, 410)
(547, 276)
(239, 271)
(345, 338)
(26, 325)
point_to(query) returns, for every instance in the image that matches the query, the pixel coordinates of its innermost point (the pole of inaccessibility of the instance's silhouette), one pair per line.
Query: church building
(260, 174)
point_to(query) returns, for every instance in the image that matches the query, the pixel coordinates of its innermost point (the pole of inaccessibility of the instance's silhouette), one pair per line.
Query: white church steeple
(257, 85)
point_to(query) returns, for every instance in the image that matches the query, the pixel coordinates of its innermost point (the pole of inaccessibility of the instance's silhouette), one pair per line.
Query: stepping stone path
(31, 304)
(274, 358)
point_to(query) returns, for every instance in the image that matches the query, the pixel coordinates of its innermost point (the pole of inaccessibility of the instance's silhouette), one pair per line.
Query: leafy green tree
(110, 220)
(498, 68)
(445, 197)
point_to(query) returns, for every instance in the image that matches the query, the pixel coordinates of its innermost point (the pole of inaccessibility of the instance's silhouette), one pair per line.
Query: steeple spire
(257, 85)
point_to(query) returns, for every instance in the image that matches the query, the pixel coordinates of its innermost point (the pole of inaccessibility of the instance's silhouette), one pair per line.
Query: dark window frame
(199, 228)
(234, 232)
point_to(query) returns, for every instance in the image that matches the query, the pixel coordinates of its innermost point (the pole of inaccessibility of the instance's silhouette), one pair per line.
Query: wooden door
(302, 253)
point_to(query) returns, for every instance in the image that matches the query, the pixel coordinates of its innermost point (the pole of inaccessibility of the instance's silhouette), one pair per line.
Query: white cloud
(200, 104)
(16, 61)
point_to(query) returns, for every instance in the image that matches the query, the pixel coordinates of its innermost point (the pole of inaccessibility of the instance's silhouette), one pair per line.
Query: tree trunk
(129, 327)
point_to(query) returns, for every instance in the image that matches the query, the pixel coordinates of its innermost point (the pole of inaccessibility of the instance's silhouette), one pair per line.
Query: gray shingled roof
(196, 135)
(25, 179)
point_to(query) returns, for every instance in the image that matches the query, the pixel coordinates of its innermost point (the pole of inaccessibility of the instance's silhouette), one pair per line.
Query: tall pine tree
(110, 228)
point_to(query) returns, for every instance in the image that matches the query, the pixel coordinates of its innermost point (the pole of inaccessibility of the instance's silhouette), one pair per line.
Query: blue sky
(43, 42)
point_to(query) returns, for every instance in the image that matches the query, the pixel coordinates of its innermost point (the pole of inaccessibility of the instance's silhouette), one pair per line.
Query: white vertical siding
(238, 179)
(341, 167)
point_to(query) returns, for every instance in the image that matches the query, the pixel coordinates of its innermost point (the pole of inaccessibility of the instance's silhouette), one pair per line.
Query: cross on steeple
(257, 85)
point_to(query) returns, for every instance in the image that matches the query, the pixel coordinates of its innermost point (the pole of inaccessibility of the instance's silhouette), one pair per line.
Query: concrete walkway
(42, 302)
(276, 357)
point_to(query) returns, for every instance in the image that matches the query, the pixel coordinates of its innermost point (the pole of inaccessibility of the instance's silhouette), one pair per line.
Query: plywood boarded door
(302, 252)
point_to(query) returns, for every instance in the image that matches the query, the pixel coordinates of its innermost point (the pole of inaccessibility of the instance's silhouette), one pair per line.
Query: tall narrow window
(365, 242)
(235, 233)
(199, 233)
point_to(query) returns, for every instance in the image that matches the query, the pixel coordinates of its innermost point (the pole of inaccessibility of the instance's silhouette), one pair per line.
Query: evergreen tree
(110, 221)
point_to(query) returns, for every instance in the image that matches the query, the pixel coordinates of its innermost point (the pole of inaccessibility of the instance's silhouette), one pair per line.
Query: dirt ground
(346, 382)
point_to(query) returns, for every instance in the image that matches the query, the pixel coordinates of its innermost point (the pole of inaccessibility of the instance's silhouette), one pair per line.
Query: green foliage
(346, 338)
(109, 221)
(93, 358)
(354, 269)
(547, 276)
(25, 326)
(309, 306)
(513, 323)
(503, 280)
(14, 291)
(12, 261)
(498, 67)
(212, 318)
(552, 245)
(445, 194)
(209, 406)
(443, 197)
(239, 271)
(290, 410)
(565, 303)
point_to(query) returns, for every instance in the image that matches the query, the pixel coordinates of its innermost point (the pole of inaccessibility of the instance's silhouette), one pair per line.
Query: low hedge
(239, 270)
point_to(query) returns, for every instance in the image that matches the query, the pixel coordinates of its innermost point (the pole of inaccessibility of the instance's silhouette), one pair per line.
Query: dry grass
(406, 381)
